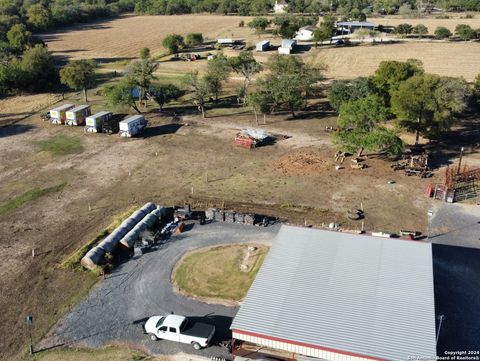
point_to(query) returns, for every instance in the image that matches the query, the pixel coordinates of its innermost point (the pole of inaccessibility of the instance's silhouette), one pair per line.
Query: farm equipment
(189, 56)
(252, 138)
(414, 165)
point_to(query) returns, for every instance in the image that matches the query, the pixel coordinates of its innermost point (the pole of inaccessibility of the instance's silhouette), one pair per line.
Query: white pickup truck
(179, 329)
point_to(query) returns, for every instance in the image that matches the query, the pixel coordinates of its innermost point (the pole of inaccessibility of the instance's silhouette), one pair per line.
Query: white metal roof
(99, 114)
(62, 107)
(79, 107)
(356, 294)
(365, 24)
(132, 118)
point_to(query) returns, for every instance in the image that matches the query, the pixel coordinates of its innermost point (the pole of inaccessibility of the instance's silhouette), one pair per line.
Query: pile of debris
(251, 219)
(252, 138)
(414, 164)
(302, 162)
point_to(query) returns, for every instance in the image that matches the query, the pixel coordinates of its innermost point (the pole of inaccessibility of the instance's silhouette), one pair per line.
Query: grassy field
(28, 196)
(215, 272)
(449, 59)
(430, 22)
(60, 145)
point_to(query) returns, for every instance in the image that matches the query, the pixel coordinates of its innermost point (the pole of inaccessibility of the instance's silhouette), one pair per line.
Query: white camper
(94, 123)
(77, 115)
(132, 126)
(59, 114)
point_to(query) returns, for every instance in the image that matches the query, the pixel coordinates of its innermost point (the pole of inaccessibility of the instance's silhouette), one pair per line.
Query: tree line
(398, 96)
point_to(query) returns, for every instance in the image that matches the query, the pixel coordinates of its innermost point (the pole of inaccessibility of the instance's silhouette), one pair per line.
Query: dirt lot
(430, 22)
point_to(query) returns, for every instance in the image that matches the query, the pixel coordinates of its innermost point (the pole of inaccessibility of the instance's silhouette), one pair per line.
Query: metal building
(337, 296)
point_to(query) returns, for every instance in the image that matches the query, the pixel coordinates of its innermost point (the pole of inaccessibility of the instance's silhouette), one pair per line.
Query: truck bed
(198, 329)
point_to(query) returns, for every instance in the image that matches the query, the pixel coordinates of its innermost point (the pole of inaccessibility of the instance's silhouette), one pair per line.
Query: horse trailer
(59, 114)
(132, 126)
(77, 115)
(94, 123)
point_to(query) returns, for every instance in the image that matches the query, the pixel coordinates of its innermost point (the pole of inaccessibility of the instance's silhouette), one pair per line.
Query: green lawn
(60, 145)
(215, 272)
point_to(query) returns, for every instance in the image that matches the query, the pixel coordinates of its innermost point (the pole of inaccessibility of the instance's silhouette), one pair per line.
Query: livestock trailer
(94, 123)
(77, 115)
(132, 126)
(59, 114)
(262, 45)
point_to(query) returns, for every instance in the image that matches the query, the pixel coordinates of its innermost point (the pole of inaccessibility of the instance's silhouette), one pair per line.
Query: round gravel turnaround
(117, 307)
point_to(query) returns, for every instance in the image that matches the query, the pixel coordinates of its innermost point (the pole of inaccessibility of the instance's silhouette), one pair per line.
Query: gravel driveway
(117, 307)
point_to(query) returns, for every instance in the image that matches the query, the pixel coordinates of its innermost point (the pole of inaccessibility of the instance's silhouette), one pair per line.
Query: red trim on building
(347, 353)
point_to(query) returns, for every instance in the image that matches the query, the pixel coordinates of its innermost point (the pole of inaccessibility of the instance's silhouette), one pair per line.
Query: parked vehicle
(94, 123)
(59, 114)
(77, 115)
(180, 329)
(132, 126)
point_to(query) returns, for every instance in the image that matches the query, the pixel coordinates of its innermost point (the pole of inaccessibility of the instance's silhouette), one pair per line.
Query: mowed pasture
(113, 41)
(449, 59)
(430, 22)
(123, 37)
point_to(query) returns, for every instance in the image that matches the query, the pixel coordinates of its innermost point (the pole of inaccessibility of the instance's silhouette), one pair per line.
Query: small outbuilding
(262, 45)
(323, 295)
(280, 7)
(305, 33)
(288, 46)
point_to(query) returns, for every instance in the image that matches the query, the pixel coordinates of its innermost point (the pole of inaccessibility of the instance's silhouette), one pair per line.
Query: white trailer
(94, 123)
(58, 115)
(132, 126)
(262, 45)
(77, 115)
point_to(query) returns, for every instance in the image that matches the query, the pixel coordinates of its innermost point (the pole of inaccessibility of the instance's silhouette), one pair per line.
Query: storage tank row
(126, 234)
(101, 122)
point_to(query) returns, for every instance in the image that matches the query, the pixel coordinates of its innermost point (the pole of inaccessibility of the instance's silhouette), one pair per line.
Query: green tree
(200, 91)
(120, 94)
(420, 30)
(79, 75)
(360, 122)
(193, 39)
(442, 33)
(173, 43)
(321, 34)
(426, 104)
(19, 37)
(140, 74)
(218, 71)
(342, 91)
(465, 32)
(245, 65)
(261, 102)
(163, 94)
(259, 24)
(38, 69)
(144, 53)
(391, 73)
(39, 17)
(404, 29)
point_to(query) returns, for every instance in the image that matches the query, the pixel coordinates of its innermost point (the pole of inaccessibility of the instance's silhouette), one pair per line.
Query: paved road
(117, 307)
(455, 224)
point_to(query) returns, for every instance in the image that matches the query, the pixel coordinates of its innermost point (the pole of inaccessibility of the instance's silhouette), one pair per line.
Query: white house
(280, 6)
(305, 33)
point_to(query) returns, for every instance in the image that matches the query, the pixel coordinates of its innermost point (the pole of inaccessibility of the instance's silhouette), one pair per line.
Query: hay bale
(219, 216)
(249, 219)
(239, 218)
(210, 213)
(230, 216)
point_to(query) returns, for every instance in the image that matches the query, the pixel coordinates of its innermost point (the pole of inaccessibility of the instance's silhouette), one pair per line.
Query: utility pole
(460, 161)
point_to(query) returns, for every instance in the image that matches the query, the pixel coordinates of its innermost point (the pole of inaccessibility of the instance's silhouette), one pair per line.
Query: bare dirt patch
(302, 162)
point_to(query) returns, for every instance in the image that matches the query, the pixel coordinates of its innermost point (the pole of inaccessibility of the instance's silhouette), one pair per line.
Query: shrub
(465, 32)
(193, 39)
(442, 33)
(404, 29)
